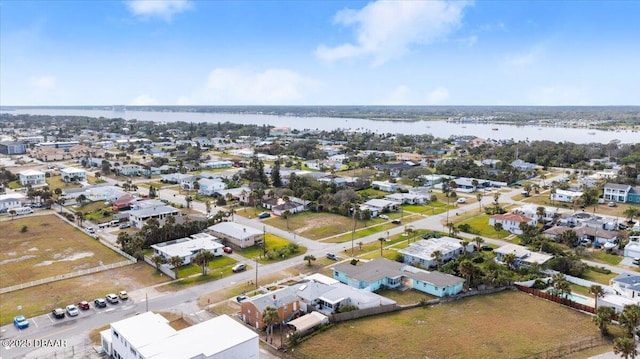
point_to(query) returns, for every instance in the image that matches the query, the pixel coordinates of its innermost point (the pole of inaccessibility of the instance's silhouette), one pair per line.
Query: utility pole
(256, 258)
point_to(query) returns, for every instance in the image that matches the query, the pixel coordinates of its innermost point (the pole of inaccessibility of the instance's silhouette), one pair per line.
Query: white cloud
(388, 29)
(43, 82)
(163, 9)
(144, 100)
(438, 96)
(234, 86)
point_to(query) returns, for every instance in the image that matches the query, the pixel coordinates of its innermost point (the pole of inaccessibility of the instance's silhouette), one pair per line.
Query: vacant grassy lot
(480, 226)
(47, 248)
(318, 225)
(503, 325)
(273, 243)
(43, 298)
(598, 277)
(604, 257)
(56, 182)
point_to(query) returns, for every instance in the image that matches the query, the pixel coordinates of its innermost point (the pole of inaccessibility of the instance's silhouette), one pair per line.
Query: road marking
(34, 322)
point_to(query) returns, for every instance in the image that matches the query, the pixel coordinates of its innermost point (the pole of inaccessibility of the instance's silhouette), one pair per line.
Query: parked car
(84, 305)
(240, 298)
(100, 303)
(239, 267)
(461, 200)
(124, 225)
(123, 295)
(636, 261)
(72, 310)
(396, 221)
(90, 230)
(332, 256)
(486, 248)
(612, 204)
(227, 250)
(383, 216)
(264, 215)
(21, 322)
(58, 313)
(112, 298)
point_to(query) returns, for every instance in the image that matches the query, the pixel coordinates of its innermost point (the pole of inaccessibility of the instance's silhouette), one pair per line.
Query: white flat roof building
(149, 336)
(420, 252)
(186, 248)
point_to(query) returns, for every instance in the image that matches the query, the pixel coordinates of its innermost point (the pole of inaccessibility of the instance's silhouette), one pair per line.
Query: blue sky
(333, 52)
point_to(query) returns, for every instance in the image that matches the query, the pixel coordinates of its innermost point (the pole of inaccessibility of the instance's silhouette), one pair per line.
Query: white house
(140, 216)
(209, 187)
(32, 177)
(149, 336)
(72, 174)
(11, 200)
(421, 252)
(632, 249)
(511, 221)
(130, 170)
(626, 285)
(187, 248)
(523, 166)
(407, 198)
(562, 195)
(385, 186)
(237, 234)
(531, 211)
(377, 206)
(523, 255)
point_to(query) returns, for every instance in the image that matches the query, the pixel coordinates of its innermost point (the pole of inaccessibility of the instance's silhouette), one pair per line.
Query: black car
(58, 313)
(100, 303)
(486, 248)
(396, 221)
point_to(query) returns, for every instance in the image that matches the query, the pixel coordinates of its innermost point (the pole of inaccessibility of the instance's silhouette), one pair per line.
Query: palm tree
(629, 318)
(569, 238)
(510, 260)
(626, 347)
(603, 316)
(479, 198)
(270, 317)
(80, 218)
(451, 227)
(175, 262)
(309, 258)
(286, 215)
(81, 199)
(597, 292)
(207, 205)
(202, 259)
(631, 212)
(560, 284)
(158, 260)
(123, 240)
(381, 240)
(479, 240)
(61, 201)
(540, 212)
(437, 255)
(467, 269)
(12, 213)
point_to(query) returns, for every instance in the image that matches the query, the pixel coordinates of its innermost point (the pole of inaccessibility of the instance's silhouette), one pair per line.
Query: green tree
(270, 318)
(202, 260)
(603, 316)
(510, 260)
(479, 240)
(479, 198)
(630, 318)
(381, 240)
(437, 255)
(176, 262)
(631, 212)
(309, 258)
(626, 347)
(467, 269)
(286, 214)
(597, 292)
(276, 179)
(158, 260)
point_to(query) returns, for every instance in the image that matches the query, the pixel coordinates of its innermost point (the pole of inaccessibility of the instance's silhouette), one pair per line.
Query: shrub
(24, 229)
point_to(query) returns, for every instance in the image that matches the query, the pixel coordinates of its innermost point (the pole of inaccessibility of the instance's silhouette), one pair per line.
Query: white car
(72, 310)
(461, 200)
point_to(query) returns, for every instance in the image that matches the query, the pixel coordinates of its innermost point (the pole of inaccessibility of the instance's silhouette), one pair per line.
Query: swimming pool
(572, 297)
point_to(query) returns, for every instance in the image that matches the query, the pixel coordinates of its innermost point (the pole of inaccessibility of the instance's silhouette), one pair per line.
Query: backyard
(476, 327)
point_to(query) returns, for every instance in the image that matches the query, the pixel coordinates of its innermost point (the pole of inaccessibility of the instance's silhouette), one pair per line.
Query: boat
(494, 129)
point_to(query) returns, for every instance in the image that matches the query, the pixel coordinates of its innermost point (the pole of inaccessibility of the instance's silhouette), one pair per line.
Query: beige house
(236, 234)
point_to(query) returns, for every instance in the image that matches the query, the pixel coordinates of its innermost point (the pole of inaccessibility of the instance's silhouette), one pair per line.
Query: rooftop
(234, 230)
(425, 247)
(187, 246)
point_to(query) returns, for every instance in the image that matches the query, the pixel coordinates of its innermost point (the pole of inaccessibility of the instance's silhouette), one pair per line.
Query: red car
(227, 250)
(84, 305)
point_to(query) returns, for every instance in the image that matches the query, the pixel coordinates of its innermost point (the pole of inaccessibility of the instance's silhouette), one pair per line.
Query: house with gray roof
(420, 252)
(626, 285)
(284, 300)
(621, 193)
(383, 273)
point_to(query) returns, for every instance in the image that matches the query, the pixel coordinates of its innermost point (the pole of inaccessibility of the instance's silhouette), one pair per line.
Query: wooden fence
(555, 298)
(568, 349)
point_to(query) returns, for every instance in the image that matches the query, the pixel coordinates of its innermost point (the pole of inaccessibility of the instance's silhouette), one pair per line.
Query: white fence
(162, 268)
(65, 276)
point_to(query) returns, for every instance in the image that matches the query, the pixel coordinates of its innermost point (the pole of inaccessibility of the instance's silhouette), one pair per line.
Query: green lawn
(372, 193)
(318, 225)
(14, 184)
(56, 182)
(604, 257)
(480, 225)
(273, 243)
(598, 277)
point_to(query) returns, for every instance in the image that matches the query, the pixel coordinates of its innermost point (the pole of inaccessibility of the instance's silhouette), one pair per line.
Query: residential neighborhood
(274, 240)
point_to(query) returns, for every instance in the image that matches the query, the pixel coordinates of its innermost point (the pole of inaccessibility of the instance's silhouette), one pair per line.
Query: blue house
(383, 273)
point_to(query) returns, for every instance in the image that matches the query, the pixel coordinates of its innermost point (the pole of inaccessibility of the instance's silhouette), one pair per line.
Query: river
(441, 129)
